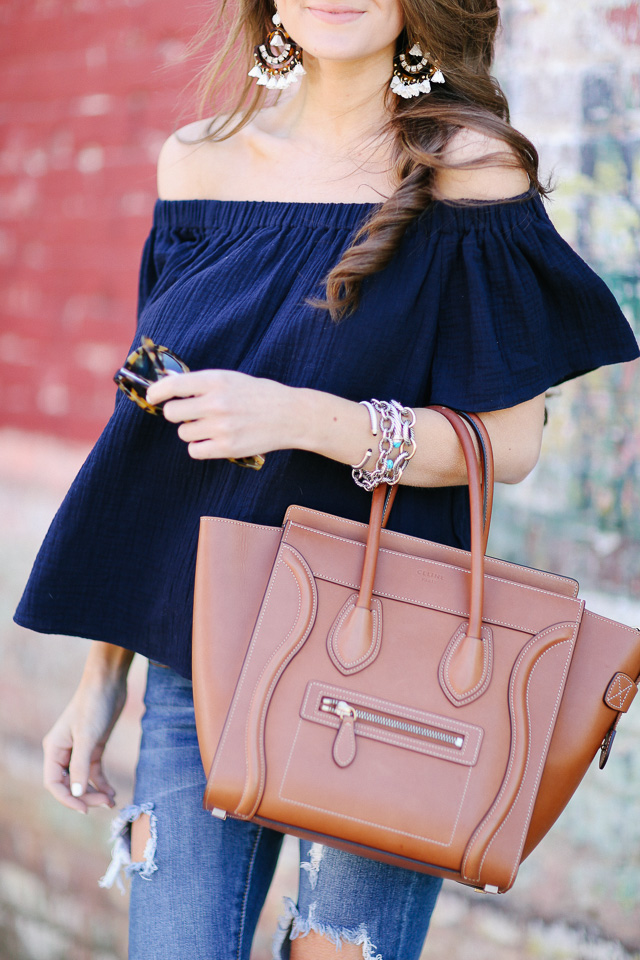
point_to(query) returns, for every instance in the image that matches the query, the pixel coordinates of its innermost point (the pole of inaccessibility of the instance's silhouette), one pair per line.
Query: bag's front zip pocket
(347, 711)
(357, 716)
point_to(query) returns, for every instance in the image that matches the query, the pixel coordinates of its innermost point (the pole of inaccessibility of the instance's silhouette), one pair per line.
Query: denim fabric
(199, 892)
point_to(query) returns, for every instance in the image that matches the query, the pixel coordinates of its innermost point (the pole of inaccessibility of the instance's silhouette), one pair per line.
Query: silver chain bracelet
(396, 424)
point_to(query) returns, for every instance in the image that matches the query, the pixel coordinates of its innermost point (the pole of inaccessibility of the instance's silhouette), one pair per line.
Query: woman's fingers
(196, 430)
(204, 450)
(226, 413)
(85, 774)
(180, 385)
(73, 777)
(56, 763)
(178, 411)
(56, 775)
(100, 782)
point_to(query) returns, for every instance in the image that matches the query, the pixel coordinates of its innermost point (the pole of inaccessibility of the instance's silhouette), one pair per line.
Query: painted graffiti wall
(572, 73)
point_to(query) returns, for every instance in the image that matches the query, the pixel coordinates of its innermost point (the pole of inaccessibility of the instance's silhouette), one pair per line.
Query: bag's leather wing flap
(222, 626)
(287, 614)
(535, 690)
(585, 718)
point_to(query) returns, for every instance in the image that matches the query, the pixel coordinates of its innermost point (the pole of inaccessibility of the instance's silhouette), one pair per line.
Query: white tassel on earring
(413, 77)
(278, 60)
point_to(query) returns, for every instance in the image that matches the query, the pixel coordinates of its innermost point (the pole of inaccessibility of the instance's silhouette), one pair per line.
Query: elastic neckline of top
(206, 213)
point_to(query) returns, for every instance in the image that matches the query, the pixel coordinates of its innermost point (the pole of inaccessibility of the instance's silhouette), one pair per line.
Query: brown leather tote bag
(404, 700)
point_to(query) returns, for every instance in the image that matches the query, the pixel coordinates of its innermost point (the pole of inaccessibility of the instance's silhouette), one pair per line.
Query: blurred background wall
(89, 89)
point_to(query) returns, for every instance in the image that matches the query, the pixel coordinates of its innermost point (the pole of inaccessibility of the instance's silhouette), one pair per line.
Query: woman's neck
(338, 105)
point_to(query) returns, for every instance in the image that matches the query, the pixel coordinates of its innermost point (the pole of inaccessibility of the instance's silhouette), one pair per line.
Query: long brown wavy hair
(460, 35)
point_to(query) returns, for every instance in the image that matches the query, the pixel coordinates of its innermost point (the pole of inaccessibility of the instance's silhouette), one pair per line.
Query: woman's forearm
(340, 429)
(105, 663)
(224, 413)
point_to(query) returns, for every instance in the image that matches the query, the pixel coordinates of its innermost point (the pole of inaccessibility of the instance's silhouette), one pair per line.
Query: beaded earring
(278, 59)
(413, 73)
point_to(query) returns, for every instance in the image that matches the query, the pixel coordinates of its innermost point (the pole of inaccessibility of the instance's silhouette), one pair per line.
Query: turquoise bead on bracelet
(395, 423)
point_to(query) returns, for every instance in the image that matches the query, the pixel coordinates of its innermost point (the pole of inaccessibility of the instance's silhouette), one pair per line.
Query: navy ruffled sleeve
(519, 311)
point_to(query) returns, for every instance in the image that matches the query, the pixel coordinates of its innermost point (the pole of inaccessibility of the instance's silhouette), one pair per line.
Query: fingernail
(107, 805)
(76, 790)
(83, 812)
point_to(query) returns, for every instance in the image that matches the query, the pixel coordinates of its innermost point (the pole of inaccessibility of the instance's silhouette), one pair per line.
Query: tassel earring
(413, 73)
(278, 59)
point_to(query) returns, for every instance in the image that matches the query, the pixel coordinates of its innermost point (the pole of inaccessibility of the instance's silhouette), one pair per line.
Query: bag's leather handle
(480, 518)
(481, 478)
(487, 467)
(487, 479)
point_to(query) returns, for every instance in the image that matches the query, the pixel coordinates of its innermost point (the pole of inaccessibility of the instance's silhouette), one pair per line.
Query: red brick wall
(89, 89)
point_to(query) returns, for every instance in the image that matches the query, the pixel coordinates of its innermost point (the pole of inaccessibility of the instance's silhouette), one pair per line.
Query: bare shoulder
(498, 180)
(190, 165)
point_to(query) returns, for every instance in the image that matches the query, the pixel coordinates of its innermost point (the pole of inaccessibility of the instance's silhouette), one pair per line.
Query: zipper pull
(344, 745)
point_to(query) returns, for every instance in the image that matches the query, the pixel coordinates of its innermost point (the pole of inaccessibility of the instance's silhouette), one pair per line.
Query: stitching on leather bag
(251, 653)
(239, 523)
(410, 712)
(266, 665)
(373, 650)
(369, 823)
(388, 706)
(505, 782)
(456, 612)
(526, 766)
(621, 695)
(302, 641)
(382, 736)
(487, 672)
(243, 674)
(625, 626)
(424, 560)
(547, 741)
(444, 546)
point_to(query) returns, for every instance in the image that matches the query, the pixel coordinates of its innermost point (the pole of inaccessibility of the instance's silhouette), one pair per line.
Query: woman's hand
(74, 746)
(223, 413)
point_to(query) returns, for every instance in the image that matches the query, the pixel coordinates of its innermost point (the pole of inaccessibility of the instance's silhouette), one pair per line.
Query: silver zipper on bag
(344, 710)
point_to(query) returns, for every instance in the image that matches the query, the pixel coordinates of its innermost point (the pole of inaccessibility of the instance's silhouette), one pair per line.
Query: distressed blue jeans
(198, 892)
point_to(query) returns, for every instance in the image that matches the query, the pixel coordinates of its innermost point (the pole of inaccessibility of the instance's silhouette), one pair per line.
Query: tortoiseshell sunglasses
(150, 363)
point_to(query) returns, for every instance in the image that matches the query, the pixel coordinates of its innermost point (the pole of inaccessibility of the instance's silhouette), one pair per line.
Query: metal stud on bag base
(278, 59)
(413, 73)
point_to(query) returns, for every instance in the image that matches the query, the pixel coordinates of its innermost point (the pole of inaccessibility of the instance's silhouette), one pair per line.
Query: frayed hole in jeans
(312, 867)
(122, 864)
(291, 926)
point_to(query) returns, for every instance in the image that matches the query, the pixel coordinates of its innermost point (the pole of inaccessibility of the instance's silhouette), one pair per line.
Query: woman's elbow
(516, 434)
(515, 465)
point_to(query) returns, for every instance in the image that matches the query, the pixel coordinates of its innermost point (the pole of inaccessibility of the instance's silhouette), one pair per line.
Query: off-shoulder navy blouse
(483, 307)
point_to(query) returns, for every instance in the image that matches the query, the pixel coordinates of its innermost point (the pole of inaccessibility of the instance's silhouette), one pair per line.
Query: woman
(457, 290)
